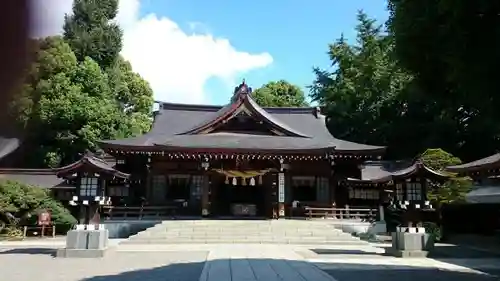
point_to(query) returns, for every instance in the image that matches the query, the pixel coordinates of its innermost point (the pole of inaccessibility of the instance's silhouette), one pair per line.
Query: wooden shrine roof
(43, 178)
(93, 162)
(484, 164)
(181, 126)
(386, 171)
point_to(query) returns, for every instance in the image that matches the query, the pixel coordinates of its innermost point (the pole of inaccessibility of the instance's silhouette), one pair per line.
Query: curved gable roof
(241, 102)
(486, 163)
(175, 123)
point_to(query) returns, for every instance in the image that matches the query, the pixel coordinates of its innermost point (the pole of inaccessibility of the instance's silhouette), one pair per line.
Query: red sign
(44, 218)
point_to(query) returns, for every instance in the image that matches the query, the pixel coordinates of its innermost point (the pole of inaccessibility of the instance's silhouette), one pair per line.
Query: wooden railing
(363, 214)
(143, 212)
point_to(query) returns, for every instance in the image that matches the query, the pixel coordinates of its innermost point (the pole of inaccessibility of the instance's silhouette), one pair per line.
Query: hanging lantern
(243, 181)
(260, 180)
(235, 182)
(227, 180)
(252, 181)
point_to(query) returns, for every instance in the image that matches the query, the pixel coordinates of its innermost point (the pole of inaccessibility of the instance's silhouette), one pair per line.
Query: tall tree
(366, 95)
(280, 94)
(452, 49)
(65, 106)
(91, 32)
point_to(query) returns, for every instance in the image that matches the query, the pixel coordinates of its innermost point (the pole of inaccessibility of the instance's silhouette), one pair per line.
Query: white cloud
(177, 64)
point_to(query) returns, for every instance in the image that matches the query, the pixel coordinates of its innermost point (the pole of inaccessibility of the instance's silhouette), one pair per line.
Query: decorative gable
(244, 112)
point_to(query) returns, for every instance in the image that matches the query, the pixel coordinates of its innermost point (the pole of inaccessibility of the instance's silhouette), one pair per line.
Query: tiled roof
(385, 171)
(43, 178)
(480, 164)
(174, 124)
(93, 161)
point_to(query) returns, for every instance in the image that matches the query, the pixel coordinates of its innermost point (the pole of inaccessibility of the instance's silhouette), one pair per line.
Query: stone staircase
(297, 232)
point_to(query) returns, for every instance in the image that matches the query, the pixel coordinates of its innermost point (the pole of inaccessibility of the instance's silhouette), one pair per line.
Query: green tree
(19, 203)
(451, 47)
(133, 94)
(280, 94)
(455, 189)
(65, 106)
(366, 95)
(91, 32)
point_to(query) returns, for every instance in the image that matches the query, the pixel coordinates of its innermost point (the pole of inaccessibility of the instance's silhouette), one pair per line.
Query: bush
(434, 230)
(25, 201)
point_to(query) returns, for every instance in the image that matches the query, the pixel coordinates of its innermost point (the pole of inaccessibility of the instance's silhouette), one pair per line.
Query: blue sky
(197, 51)
(294, 32)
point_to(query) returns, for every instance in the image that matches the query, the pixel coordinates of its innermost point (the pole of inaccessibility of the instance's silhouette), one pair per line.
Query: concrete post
(381, 212)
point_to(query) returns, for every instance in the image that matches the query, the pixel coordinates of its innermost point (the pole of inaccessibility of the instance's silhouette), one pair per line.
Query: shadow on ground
(277, 269)
(461, 252)
(29, 251)
(348, 272)
(342, 252)
(460, 255)
(174, 272)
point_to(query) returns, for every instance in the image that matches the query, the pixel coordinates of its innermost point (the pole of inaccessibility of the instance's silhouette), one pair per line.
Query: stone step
(263, 235)
(236, 228)
(225, 233)
(167, 236)
(216, 232)
(254, 232)
(245, 241)
(230, 233)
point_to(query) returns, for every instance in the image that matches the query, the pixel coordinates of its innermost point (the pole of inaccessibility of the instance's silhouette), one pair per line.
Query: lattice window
(118, 191)
(196, 186)
(302, 181)
(89, 186)
(363, 193)
(159, 186)
(303, 188)
(323, 189)
(178, 187)
(413, 191)
(399, 192)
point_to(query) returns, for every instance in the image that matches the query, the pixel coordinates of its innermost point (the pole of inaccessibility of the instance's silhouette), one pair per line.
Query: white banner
(281, 188)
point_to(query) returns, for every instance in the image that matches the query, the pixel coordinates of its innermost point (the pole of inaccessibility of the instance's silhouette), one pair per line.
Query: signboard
(281, 188)
(44, 218)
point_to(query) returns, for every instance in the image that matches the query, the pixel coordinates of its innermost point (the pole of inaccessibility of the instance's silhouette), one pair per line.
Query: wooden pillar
(423, 189)
(333, 189)
(205, 199)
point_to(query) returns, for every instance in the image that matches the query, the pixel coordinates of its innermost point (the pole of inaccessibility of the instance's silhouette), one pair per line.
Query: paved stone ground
(236, 262)
(31, 264)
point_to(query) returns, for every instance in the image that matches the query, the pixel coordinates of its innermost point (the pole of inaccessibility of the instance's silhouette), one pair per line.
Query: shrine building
(236, 160)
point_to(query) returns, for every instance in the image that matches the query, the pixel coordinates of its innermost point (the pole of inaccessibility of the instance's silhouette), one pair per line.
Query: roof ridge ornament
(241, 90)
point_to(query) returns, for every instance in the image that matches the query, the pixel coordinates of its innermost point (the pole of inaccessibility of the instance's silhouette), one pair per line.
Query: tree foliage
(451, 47)
(280, 94)
(370, 98)
(365, 93)
(91, 32)
(66, 106)
(20, 203)
(455, 189)
(79, 90)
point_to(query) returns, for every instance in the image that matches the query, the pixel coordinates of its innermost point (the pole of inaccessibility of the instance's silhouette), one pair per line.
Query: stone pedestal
(410, 242)
(85, 244)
